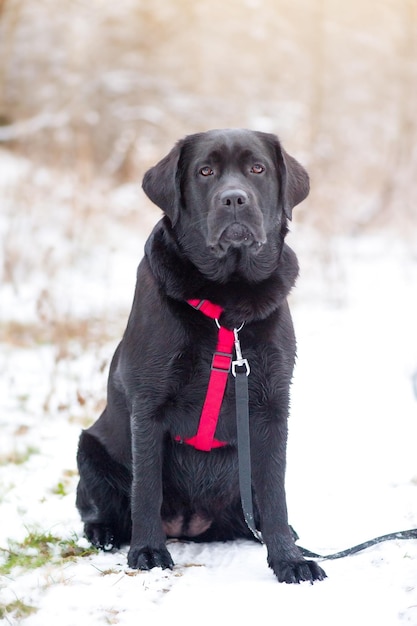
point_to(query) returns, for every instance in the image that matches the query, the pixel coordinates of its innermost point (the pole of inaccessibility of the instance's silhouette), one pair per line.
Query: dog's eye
(206, 171)
(257, 168)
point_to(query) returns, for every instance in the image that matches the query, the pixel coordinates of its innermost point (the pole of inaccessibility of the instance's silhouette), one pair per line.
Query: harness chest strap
(222, 358)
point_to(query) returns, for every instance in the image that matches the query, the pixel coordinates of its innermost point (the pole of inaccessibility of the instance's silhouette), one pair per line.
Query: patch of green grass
(69, 549)
(34, 551)
(18, 609)
(38, 549)
(59, 489)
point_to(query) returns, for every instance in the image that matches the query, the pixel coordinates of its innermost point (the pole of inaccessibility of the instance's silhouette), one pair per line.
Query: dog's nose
(234, 198)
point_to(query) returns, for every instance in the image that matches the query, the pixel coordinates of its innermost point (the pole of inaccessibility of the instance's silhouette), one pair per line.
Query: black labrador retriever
(148, 468)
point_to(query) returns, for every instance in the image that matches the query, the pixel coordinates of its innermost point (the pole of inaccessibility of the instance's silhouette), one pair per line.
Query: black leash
(243, 446)
(402, 534)
(241, 371)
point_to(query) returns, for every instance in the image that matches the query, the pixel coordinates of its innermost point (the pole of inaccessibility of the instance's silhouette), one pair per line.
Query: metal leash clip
(240, 361)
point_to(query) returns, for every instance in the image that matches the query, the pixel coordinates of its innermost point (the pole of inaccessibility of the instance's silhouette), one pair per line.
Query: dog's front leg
(268, 463)
(147, 548)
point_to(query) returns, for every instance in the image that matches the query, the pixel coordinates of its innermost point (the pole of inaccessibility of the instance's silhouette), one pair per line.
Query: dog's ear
(294, 180)
(161, 183)
(297, 184)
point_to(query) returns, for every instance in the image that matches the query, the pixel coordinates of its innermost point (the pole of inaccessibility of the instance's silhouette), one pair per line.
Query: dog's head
(228, 195)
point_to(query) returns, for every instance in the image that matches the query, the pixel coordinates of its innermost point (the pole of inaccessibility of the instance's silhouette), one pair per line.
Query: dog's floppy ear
(162, 185)
(297, 184)
(294, 183)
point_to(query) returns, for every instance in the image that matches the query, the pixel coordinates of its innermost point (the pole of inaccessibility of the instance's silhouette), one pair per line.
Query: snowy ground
(352, 470)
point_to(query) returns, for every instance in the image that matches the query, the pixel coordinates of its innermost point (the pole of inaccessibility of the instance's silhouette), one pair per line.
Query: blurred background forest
(92, 93)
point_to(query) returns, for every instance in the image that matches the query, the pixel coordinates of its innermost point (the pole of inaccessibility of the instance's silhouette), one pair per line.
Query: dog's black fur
(227, 196)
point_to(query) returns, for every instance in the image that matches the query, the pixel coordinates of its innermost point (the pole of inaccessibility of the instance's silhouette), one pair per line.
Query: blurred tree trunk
(9, 18)
(401, 169)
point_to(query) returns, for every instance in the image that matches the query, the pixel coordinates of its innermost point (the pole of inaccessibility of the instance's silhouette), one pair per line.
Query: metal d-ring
(234, 330)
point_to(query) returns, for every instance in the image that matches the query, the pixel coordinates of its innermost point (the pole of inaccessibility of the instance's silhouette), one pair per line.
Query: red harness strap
(220, 367)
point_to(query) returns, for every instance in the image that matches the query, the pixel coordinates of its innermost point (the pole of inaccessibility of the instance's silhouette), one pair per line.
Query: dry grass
(88, 332)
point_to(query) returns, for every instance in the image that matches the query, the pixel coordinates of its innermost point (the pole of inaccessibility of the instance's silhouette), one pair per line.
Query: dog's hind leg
(103, 495)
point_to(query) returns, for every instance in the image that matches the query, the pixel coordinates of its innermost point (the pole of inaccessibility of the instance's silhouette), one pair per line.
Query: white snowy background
(89, 98)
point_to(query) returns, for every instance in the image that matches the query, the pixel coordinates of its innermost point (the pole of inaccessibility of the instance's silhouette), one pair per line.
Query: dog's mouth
(238, 235)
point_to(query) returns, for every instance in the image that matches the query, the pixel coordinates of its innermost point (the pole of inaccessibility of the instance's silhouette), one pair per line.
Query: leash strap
(402, 534)
(243, 446)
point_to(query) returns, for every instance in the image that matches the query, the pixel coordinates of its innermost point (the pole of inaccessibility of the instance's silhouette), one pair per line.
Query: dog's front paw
(296, 571)
(101, 536)
(146, 558)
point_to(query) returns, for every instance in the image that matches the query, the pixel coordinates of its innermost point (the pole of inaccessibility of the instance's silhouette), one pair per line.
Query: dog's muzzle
(235, 221)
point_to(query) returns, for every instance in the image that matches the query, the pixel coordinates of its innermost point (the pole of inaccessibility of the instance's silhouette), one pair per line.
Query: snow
(352, 470)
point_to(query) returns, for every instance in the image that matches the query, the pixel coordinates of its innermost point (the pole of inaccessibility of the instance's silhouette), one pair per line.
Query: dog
(226, 196)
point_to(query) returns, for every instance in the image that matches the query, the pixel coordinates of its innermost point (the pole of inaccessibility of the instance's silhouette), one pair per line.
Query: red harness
(220, 368)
